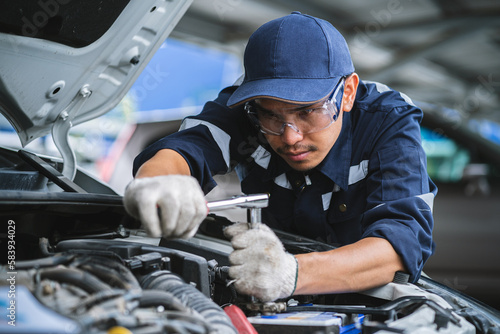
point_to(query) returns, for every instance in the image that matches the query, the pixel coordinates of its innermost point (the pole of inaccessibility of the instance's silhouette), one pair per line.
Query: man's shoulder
(378, 104)
(380, 110)
(374, 96)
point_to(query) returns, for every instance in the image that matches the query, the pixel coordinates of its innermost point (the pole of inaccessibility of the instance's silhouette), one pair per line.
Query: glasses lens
(303, 121)
(315, 119)
(266, 123)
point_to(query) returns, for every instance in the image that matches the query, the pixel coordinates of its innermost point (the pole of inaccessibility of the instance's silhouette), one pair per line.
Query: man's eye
(306, 112)
(269, 115)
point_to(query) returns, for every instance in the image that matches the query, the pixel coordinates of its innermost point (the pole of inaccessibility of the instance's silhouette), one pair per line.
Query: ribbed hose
(109, 271)
(192, 298)
(155, 297)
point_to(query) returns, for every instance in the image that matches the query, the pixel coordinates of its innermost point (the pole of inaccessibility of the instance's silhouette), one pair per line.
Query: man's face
(301, 151)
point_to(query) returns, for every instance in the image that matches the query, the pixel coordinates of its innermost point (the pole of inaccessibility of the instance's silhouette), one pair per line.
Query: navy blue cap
(296, 59)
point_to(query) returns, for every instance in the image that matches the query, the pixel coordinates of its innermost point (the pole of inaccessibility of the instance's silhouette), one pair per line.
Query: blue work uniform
(372, 183)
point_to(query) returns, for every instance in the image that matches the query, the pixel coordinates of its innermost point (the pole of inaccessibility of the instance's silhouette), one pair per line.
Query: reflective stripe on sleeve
(428, 199)
(221, 137)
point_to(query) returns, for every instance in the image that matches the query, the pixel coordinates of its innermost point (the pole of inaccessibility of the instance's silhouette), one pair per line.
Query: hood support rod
(60, 131)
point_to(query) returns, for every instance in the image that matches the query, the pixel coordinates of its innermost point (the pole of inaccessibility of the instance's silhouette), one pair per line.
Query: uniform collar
(337, 162)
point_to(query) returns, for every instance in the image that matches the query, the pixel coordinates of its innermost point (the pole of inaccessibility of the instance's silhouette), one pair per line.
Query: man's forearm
(164, 162)
(365, 264)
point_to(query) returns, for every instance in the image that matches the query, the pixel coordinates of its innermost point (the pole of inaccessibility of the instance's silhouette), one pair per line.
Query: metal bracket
(60, 131)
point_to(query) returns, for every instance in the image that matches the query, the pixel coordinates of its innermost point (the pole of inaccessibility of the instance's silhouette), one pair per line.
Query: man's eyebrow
(262, 108)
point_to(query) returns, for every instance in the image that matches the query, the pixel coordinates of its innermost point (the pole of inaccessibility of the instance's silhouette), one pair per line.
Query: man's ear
(350, 89)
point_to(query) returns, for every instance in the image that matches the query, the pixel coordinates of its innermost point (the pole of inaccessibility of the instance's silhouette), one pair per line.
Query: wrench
(254, 203)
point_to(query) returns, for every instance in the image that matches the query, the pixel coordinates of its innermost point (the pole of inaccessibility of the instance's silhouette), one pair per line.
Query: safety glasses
(303, 120)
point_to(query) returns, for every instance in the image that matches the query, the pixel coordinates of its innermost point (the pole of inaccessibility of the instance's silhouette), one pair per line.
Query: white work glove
(170, 205)
(260, 265)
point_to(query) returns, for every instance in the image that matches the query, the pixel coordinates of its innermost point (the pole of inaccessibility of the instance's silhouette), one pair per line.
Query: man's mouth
(296, 155)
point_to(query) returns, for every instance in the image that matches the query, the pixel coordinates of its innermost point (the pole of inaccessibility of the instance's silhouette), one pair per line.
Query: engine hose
(192, 298)
(97, 298)
(119, 267)
(58, 259)
(81, 279)
(164, 298)
(109, 271)
(188, 294)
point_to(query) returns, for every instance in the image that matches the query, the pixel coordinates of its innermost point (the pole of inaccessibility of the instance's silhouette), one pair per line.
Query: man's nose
(291, 134)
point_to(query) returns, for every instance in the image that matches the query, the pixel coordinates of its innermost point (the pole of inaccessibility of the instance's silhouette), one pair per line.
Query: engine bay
(86, 267)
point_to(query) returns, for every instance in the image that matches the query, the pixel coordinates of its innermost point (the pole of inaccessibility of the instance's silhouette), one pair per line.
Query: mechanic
(341, 159)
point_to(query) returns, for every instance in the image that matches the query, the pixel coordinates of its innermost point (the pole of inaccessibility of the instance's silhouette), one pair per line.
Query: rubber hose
(194, 299)
(191, 297)
(164, 298)
(52, 261)
(187, 293)
(120, 268)
(110, 272)
(81, 279)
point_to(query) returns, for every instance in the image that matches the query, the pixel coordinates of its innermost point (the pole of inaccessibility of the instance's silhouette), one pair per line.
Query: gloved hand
(259, 263)
(169, 205)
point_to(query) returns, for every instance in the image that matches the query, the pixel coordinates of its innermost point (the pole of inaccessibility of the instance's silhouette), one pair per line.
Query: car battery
(307, 322)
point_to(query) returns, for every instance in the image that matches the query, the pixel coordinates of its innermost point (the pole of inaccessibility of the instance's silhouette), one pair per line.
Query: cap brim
(296, 91)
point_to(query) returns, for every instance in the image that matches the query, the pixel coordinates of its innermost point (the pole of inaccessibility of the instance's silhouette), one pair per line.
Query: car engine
(82, 265)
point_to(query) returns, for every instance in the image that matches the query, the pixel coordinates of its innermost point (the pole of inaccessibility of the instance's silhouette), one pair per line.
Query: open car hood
(59, 68)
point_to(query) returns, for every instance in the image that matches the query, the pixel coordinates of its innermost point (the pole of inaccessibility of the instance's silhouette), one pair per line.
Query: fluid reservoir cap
(119, 330)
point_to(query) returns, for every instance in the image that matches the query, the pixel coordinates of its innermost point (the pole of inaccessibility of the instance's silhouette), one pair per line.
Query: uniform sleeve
(400, 194)
(210, 142)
